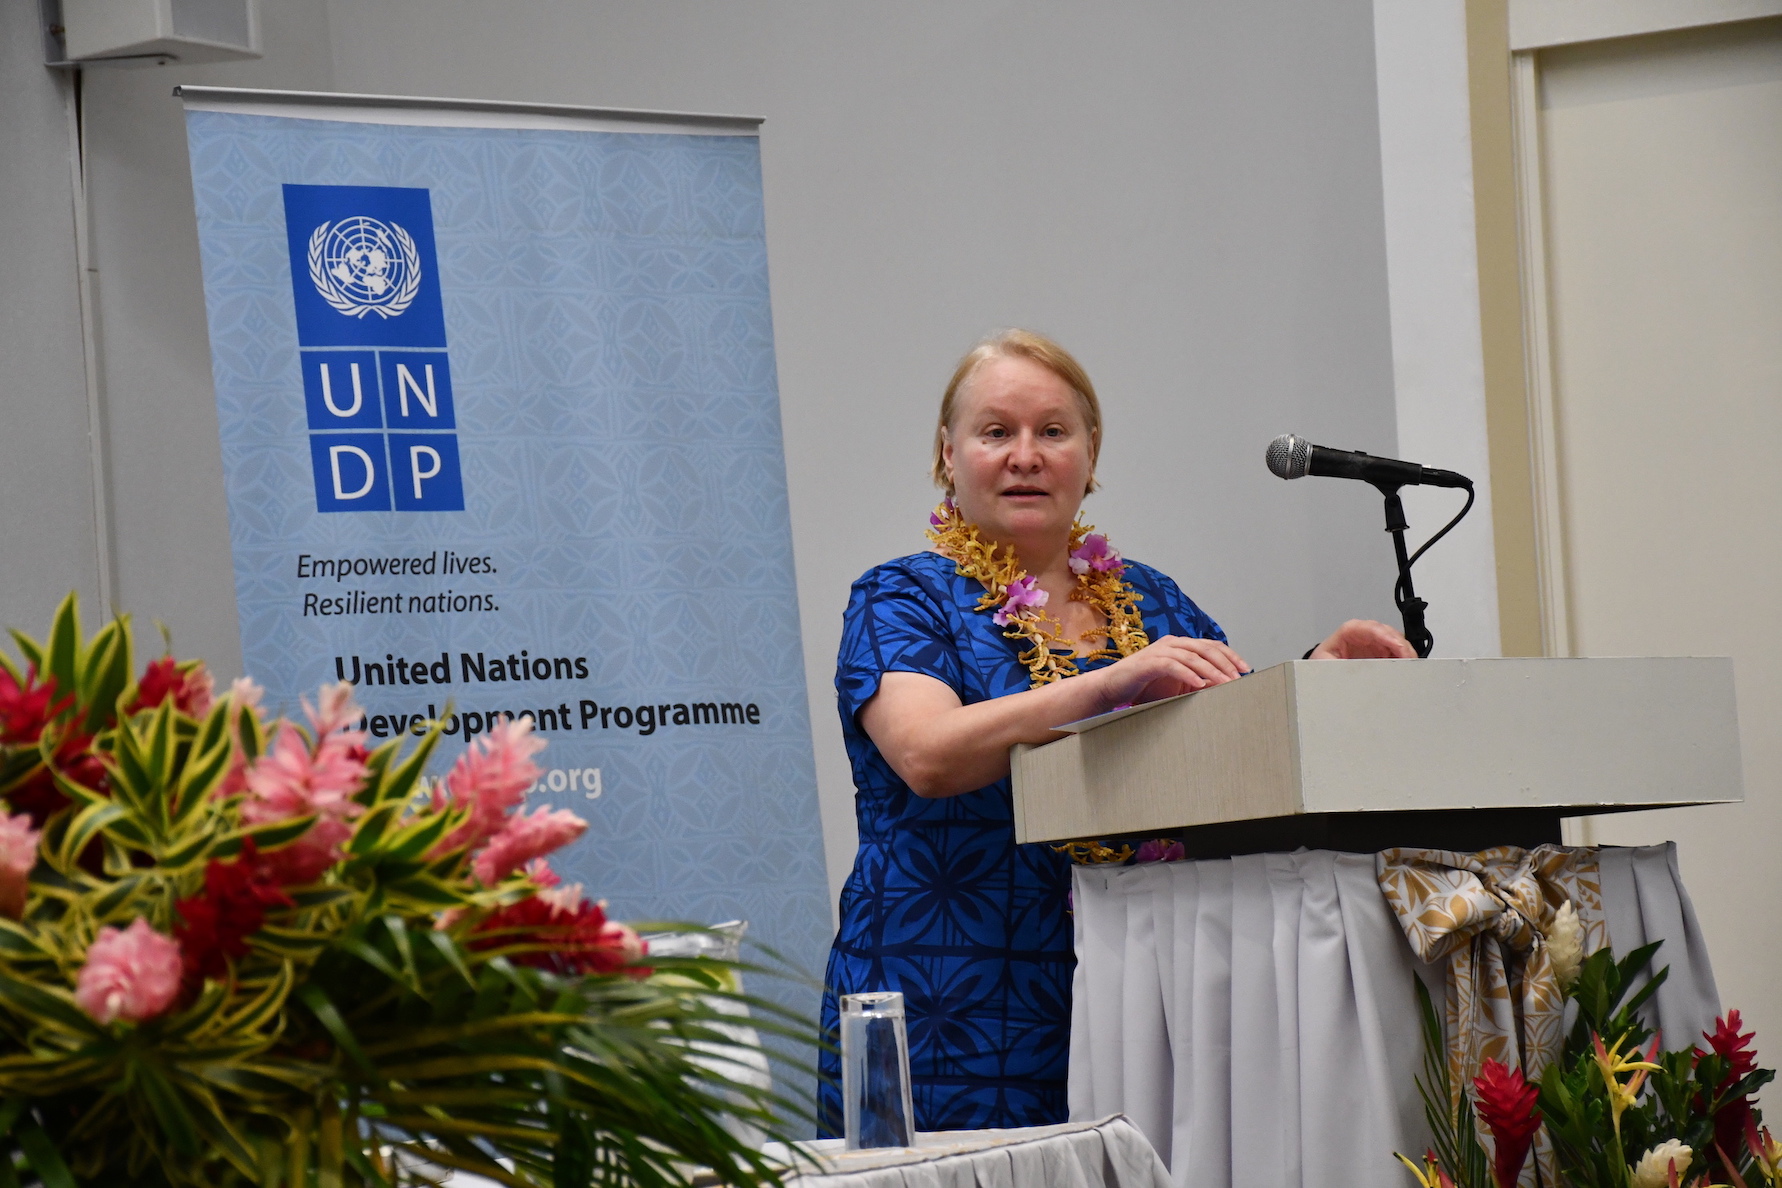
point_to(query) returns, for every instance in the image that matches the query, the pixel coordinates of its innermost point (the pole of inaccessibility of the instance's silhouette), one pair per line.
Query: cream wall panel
(1663, 173)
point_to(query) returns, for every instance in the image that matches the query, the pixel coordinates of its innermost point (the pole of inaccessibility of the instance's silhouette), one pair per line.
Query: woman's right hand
(1167, 667)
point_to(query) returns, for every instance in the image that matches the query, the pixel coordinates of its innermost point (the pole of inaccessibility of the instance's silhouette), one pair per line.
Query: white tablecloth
(1107, 1153)
(1255, 1016)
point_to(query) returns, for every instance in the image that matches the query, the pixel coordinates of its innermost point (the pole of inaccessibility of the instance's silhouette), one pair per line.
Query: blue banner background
(611, 369)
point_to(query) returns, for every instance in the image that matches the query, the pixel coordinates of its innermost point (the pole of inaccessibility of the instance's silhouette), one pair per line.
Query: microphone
(1291, 456)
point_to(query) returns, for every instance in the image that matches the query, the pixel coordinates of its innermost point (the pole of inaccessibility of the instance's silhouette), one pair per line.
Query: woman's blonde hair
(1019, 344)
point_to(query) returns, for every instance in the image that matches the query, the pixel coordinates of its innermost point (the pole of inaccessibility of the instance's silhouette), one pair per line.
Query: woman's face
(1019, 451)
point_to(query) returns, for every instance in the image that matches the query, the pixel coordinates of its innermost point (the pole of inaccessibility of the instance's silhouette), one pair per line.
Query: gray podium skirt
(1255, 1017)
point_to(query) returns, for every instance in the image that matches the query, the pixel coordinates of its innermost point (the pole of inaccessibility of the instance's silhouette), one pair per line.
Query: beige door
(1661, 173)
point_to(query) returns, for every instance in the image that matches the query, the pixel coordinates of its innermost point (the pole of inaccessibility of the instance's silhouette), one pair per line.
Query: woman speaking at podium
(1018, 619)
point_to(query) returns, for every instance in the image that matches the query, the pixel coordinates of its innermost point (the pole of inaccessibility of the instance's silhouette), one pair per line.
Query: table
(1256, 1016)
(1106, 1153)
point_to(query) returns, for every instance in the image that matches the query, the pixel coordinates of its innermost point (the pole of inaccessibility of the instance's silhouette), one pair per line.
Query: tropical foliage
(1619, 1110)
(241, 951)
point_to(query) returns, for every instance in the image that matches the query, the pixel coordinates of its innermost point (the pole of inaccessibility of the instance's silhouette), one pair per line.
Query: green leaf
(426, 892)
(42, 1005)
(266, 837)
(86, 825)
(448, 948)
(62, 655)
(107, 673)
(398, 930)
(251, 733)
(322, 896)
(316, 999)
(377, 961)
(368, 836)
(266, 1006)
(203, 772)
(41, 1154)
(11, 1112)
(398, 784)
(294, 944)
(181, 853)
(177, 1123)
(416, 839)
(159, 759)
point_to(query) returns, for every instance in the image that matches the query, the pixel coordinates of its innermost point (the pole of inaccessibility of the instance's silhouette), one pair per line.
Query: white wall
(47, 533)
(1188, 196)
(1438, 357)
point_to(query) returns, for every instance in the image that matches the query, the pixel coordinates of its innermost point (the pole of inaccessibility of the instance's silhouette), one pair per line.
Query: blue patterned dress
(942, 904)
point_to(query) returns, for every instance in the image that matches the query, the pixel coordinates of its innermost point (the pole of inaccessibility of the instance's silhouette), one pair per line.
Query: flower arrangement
(1617, 1110)
(242, 951)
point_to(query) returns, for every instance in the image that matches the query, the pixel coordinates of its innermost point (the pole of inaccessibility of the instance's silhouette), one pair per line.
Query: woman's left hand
(1364, 639)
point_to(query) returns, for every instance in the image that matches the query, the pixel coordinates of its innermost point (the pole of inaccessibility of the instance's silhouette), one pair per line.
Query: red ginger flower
(577, 940)
(38, 794)
(190, 689)
(1735, 1048)
(233, 906)
(26, 709)
(1506, 1104)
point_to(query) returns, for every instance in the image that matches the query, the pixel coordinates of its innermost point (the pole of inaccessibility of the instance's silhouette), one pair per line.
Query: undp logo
(362, 266)
(381, 420)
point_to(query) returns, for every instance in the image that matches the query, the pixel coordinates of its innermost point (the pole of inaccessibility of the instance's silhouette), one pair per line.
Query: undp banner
(500, 430)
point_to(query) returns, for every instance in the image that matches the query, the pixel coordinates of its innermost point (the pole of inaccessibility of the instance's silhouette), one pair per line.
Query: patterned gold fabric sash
(1487, 914)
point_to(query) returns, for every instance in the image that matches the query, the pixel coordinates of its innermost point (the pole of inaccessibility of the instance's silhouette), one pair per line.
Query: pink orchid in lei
(1160, 849)
(1023, 593)
(523, 838)
(131, 974)
(1095, 553)
(936, 518)
(18, 854)
(492, 776)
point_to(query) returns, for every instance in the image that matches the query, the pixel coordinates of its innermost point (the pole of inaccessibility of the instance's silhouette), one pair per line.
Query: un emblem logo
(360, 265)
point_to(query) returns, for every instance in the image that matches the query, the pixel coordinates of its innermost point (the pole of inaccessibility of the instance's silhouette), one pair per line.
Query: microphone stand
(1410, 607)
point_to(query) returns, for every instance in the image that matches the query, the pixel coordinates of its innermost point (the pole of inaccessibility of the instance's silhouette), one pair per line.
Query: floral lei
(1019, 602)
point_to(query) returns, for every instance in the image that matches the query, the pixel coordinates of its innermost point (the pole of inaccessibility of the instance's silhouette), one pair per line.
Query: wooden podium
(1361, 755)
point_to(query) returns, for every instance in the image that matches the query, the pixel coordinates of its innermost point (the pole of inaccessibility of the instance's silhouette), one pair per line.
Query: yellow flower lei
(1049, 656)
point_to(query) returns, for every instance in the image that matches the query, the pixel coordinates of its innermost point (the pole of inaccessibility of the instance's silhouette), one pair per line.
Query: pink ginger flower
(243, 693)
(18, 854)
(334, 709)
(290, 780)
(1095, 553)
(131, 975)
(523, 838)
(551, 889)
(491, 776)
(1023, 594)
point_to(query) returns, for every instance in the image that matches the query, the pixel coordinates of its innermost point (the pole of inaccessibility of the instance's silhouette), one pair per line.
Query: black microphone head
(1289, 456)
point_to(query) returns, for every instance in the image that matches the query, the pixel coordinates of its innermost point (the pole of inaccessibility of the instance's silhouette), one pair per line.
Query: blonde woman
(1018, 619)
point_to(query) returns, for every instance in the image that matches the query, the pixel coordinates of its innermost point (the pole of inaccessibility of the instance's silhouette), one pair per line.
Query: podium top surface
(1574, 736)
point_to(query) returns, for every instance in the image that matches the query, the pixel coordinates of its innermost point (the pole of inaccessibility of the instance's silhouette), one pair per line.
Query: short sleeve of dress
(1165, 601)
(894, 623)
